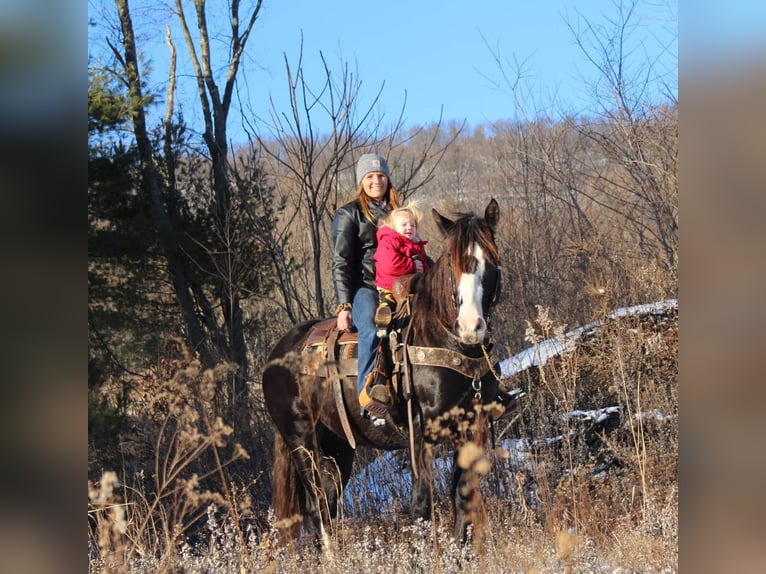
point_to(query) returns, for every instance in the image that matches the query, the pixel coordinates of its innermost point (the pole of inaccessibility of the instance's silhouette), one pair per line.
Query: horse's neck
(431, 322)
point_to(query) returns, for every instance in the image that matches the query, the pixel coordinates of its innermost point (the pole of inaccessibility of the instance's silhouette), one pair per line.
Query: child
(400, 252)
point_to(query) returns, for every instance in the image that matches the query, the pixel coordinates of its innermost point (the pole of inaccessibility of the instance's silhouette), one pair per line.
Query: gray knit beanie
(369, 163)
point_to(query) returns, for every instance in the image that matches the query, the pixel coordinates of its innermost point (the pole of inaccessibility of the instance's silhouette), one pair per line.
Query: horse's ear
(492, 213)
(444, 224)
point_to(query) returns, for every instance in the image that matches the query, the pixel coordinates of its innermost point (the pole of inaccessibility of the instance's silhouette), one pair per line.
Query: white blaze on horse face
(471, 326)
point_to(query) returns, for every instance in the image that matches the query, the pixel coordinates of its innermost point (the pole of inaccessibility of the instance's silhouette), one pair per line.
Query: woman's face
(375, 185)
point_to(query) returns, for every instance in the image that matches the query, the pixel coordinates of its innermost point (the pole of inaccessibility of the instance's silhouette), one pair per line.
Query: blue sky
(436, 51)
(439, 53)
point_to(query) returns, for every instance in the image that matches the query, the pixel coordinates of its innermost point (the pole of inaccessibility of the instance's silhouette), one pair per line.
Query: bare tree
(211, 246)
(312, 164)
(153, 185)
(635, 134)
(215, 103)
(597, 189)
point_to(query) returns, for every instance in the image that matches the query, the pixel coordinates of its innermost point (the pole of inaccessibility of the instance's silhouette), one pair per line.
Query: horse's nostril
(468, 328)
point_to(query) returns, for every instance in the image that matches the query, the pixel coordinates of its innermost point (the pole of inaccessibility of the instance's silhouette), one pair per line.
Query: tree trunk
(151, 183)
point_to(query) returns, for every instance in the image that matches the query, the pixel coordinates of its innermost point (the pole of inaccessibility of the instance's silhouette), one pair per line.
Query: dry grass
(577, 495)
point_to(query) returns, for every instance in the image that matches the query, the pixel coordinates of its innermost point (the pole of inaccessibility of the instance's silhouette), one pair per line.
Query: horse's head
(471, 261)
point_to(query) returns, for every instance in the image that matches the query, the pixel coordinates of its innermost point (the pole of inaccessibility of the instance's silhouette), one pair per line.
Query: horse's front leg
(469, 465)
(421, 502)
(463, 488)
(467, 468)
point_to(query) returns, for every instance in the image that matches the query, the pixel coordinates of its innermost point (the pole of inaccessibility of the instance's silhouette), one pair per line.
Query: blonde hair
(411, 208)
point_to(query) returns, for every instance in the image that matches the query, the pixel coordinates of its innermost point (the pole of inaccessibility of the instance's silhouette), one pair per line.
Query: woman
(354, 230)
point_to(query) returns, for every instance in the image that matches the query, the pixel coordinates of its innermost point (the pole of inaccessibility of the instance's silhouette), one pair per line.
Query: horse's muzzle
(473, 331)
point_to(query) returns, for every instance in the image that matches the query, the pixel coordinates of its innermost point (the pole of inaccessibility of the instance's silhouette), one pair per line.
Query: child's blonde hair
(411, 208)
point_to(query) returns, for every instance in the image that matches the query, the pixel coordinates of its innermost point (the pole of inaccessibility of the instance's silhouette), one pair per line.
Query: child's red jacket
(393, 257)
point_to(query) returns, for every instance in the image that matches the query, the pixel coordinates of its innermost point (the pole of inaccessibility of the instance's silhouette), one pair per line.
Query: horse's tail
(287, 494)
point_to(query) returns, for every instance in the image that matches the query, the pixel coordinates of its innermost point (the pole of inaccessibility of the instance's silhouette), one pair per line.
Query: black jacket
(354, 243)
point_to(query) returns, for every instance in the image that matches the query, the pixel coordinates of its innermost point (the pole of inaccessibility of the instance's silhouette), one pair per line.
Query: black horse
(447, 386)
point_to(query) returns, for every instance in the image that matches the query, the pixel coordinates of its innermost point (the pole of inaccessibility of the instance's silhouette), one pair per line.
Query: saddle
(325, 343)
(343, 342)
(334, 352)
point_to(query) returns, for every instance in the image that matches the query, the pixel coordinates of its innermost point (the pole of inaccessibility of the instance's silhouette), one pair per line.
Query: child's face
(405, 224)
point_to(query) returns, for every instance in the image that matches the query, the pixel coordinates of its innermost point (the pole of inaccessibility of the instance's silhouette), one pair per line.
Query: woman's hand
(418, 266)
(345, 322)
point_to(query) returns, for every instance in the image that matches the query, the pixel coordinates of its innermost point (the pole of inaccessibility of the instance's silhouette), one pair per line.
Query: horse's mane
(435, 299)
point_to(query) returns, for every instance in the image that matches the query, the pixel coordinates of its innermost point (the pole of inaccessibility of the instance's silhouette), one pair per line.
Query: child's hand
(418, 266)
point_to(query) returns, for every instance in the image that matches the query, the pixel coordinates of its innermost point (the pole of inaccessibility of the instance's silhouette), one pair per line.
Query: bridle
(496, 287)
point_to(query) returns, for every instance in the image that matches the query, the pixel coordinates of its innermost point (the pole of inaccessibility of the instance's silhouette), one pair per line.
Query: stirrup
(377, 410)
(374, 396)
(380, 400)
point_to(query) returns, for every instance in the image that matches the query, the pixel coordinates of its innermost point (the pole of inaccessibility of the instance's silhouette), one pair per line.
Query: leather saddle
(326, 343)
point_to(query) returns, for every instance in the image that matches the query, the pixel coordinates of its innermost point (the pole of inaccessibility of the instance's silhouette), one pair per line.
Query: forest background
(203, 252)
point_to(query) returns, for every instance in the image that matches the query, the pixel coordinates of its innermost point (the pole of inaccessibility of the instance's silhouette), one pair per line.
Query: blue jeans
(363, 313)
